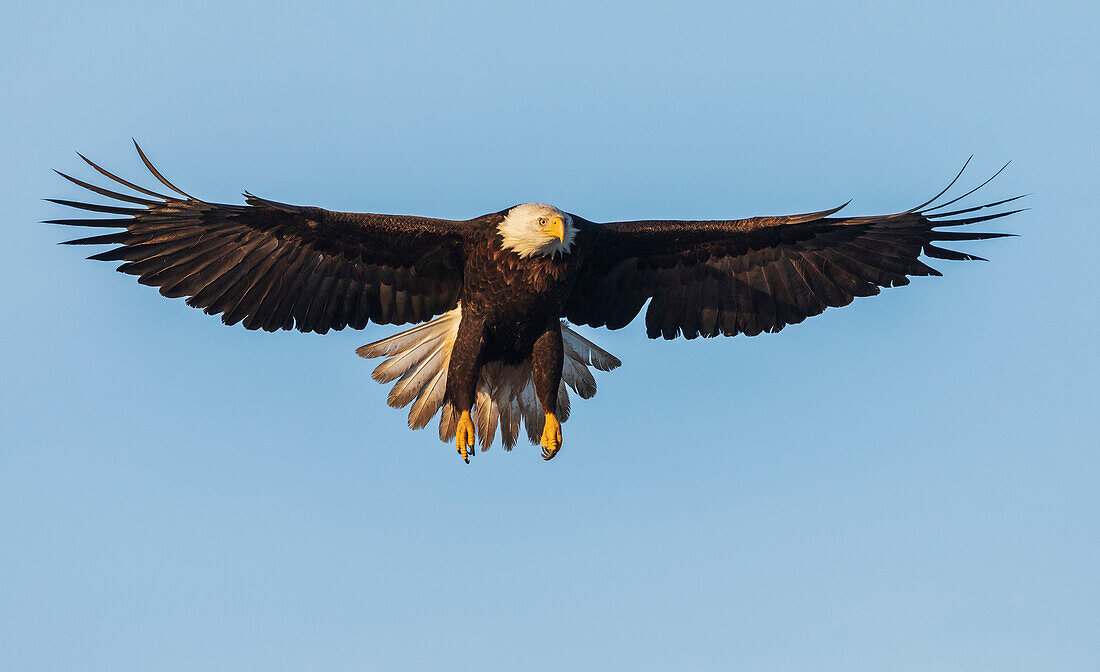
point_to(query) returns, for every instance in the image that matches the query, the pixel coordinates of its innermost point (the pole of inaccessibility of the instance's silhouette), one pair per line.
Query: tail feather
(588, 353)
(417, 359)
(533, 419)
(578, 377)
(486, 416)
(429, 401)
(402, 341)
(398, 365)
(509, 424)
(563, 402)
(448, 420)
(413, 382)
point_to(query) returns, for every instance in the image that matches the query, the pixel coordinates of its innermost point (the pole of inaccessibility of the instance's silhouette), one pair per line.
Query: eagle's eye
(542, 222)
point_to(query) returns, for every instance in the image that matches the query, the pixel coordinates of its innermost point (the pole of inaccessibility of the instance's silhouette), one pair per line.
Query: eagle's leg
(462, 374)
(464, 436)
(547, 358)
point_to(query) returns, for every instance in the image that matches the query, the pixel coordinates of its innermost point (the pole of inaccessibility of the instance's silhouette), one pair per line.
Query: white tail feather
(413, 382)
(429, 401)
(418, 358)
(396, 366)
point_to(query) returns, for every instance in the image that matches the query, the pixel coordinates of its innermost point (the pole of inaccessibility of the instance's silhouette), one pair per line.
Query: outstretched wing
(276, 266)
(760, 274)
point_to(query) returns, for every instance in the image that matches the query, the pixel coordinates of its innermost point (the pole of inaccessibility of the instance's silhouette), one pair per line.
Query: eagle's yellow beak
(556, 228)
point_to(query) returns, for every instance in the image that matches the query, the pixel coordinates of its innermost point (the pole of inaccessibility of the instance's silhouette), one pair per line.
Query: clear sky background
(908, 483)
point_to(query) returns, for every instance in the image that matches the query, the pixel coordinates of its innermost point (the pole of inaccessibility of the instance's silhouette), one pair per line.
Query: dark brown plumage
(276, 266)
(754, 275)
(273, 266)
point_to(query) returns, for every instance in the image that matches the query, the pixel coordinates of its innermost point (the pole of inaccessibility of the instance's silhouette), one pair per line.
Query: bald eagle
(494, 293)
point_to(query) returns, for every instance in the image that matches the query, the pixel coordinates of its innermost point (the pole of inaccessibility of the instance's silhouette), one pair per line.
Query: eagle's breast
(517, 297)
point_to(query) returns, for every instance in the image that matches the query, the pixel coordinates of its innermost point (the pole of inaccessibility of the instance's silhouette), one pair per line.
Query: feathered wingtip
(930, 209)
(126, 213)
(156, 173)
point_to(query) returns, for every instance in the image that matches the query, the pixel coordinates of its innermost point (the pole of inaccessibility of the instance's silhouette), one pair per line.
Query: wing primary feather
(184, 264)
(108, 239)
(156, 174)
(966, 235)
(98, 223)
(241, 278)
(223, 272)
(959, 198)
(93, 207)
(941, 253)
(939, 215)
(945, 189)
(116, 178)
(107, 192)
(855, 277)
(113, 254)
(880, 269)
(192, 271)
(137, 247)
(983, 218)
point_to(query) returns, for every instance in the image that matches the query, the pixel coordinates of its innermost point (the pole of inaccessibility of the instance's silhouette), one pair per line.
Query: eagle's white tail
(417, 359)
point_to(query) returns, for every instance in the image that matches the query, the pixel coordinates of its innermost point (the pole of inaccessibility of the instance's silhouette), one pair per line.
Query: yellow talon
(551, 437)
(464, 436)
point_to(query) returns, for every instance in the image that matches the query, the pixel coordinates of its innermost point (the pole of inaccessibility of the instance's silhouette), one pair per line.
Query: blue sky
(908, 483)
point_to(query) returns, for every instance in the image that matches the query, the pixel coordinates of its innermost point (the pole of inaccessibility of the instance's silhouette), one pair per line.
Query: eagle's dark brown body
(273, 266)
(511, 312)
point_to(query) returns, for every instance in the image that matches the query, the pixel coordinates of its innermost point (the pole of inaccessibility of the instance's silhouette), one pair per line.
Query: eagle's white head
(537, 228)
